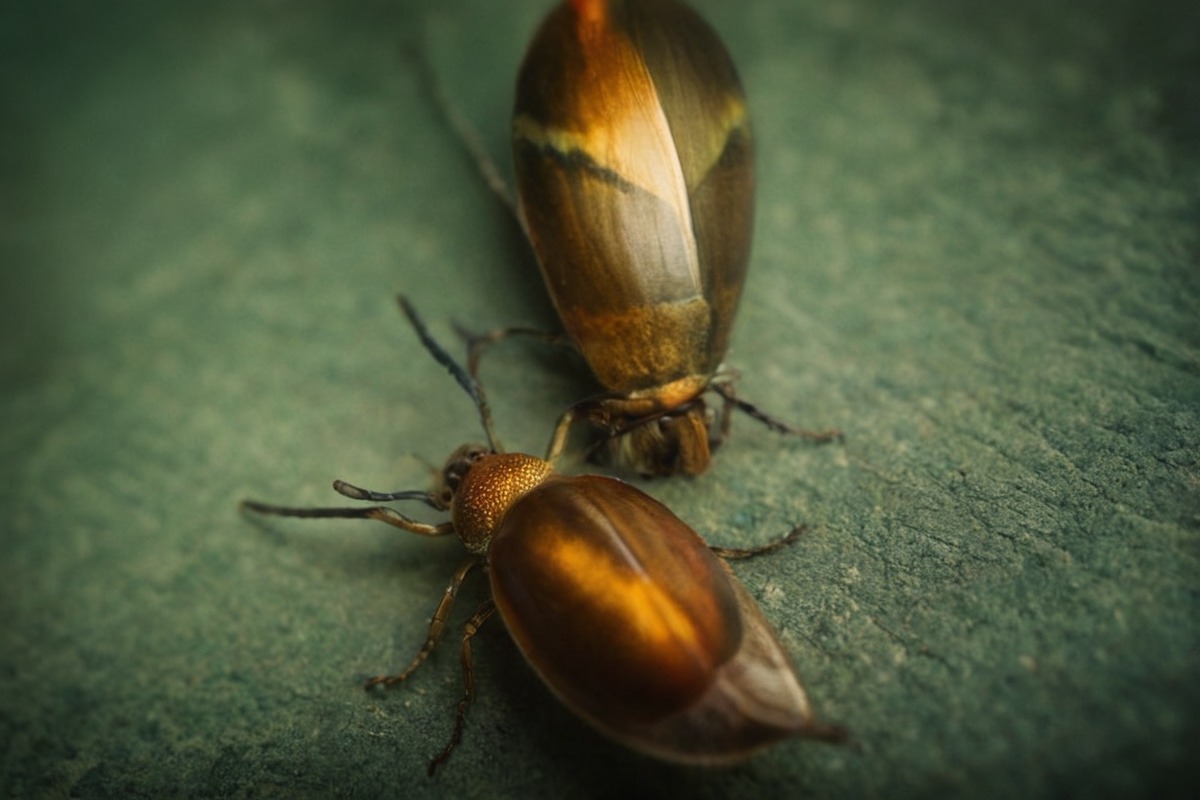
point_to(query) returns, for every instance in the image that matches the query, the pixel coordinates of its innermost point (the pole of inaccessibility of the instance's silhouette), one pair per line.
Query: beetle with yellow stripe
(634, 162)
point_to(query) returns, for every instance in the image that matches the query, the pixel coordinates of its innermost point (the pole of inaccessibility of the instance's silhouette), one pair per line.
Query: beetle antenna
(466, 133)
(358, 493)
(469, 384)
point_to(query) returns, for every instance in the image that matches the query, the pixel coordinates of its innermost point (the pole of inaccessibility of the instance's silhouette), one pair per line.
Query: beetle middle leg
(469, 630)
(725, 389)
(437, 627)
(478, 343)
(769, 547)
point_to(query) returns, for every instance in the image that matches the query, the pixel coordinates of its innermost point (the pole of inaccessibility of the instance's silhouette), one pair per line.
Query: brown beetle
(622, 609)
(635, 174)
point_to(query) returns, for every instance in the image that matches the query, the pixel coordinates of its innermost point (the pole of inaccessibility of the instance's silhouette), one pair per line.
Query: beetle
(634, 164)
(628, 616)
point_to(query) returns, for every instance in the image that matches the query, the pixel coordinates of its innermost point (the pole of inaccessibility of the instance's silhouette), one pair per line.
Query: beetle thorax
(488, 491)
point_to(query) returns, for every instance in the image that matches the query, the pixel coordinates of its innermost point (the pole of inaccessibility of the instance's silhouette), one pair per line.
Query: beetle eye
(457, 467)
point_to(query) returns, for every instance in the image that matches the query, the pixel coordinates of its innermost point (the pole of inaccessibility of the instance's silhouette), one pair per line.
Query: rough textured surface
(976, 253)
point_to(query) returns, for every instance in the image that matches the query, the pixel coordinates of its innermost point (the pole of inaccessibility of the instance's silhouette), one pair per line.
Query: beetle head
(457, 466)
(666, 445)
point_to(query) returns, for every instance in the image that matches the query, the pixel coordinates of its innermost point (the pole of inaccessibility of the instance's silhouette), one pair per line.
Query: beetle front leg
(725, 420)
(437, 627)
(460, 720)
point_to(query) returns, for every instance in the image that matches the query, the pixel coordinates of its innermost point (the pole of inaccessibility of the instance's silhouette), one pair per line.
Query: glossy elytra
(622, 609)
(634, 163)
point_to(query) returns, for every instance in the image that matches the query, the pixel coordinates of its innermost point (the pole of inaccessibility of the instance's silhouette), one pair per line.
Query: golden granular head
(489, 490)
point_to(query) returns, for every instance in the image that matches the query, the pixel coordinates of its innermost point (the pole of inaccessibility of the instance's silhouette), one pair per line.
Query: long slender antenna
(466, 133)
(358, 493)
(469, 385)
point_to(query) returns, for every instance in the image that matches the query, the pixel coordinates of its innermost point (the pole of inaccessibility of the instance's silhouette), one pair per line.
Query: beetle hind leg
(762, 549)
(460, 720)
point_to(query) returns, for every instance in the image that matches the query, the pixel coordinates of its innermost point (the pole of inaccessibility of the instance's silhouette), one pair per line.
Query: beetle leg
(593, 410)
(460, 720)
(597, 411)
(382, 513)
(478, 343)
(779, 426)
(677, 438)
(437, 627)
(558, 440)
(726, 420)
(769, 547)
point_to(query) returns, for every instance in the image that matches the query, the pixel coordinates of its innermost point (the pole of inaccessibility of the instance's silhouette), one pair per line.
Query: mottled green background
(976, 253)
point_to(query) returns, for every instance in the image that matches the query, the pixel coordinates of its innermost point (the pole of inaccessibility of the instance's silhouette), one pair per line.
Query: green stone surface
(976, 253)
